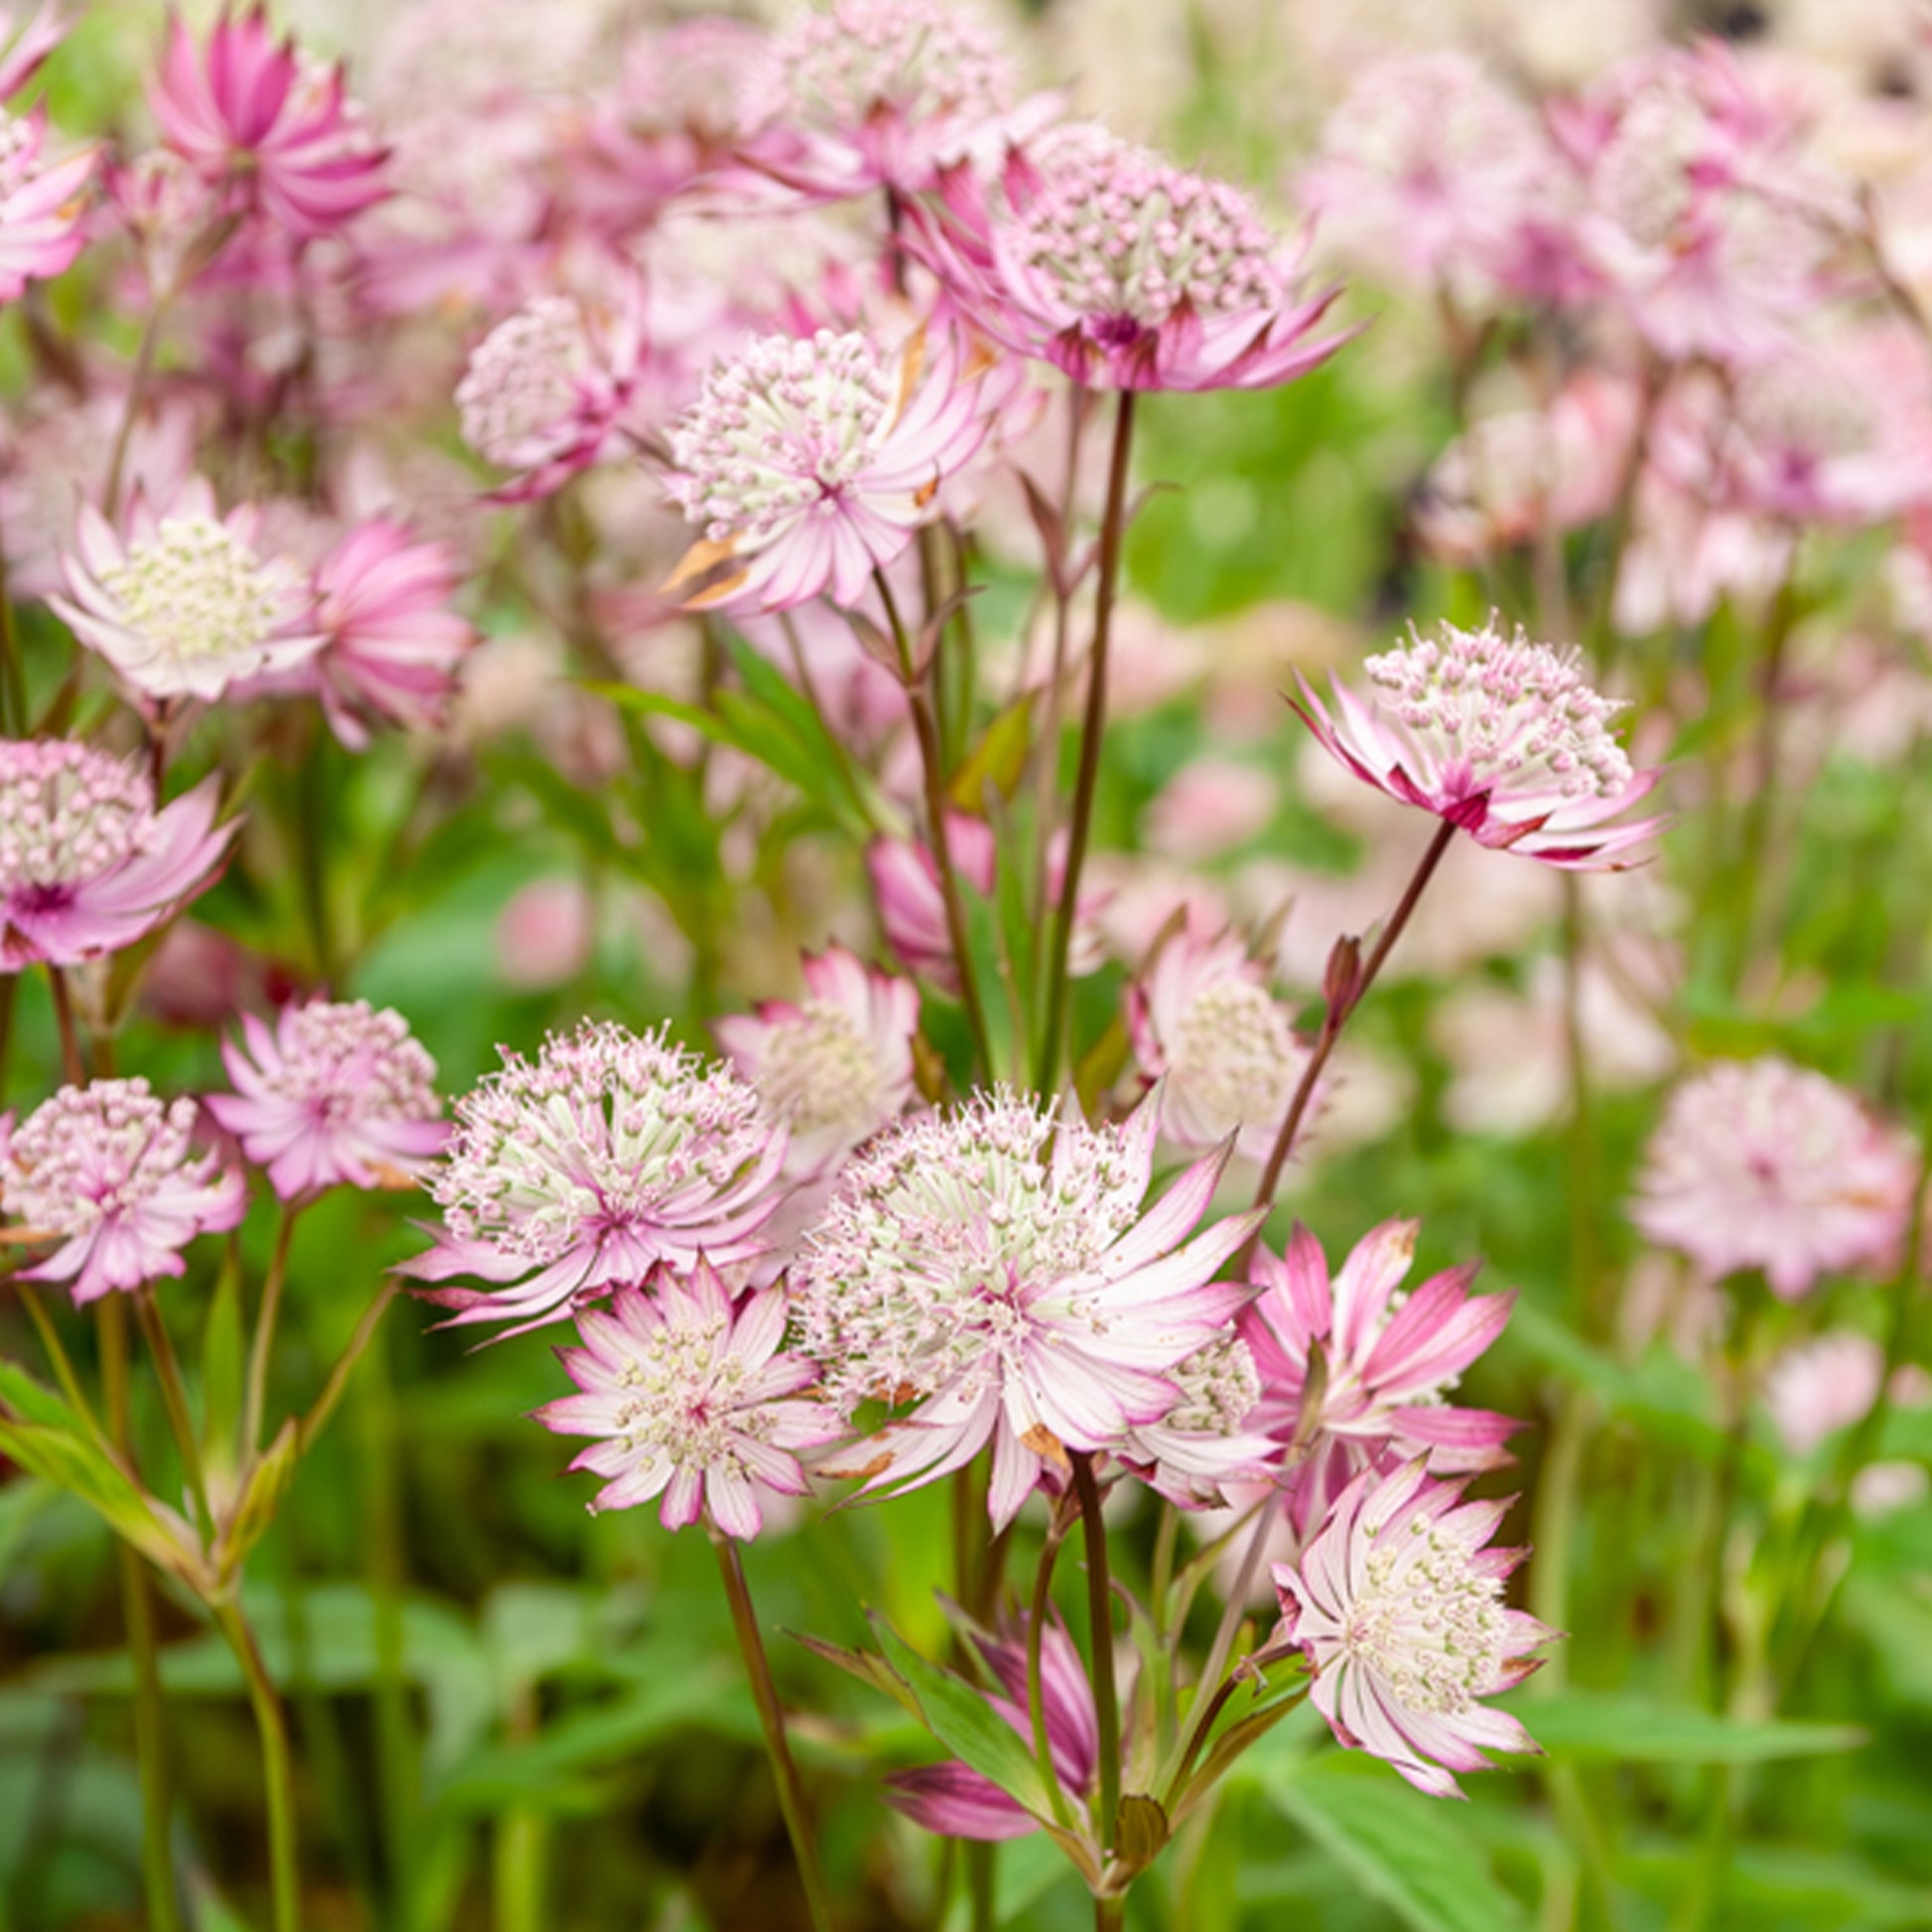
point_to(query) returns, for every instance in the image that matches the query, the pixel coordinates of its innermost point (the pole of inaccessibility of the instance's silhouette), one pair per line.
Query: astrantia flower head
(181, 602)
(1387, 1359)
(1759, 1163)
(1501, 737)
(391, 639)
(1398, 1606)
(1427, 170)
(998, 1268)
(912, 904)
(271, 126)
(544, 390)
(877, 93)
(1123, 270)
(810, 461)
(42, 203)
(610, 1153)
(835, 1068)
(1204, 1440)
(692, 1400)
(1700, 209)
(107, 1171)
(1204, 1024)
(1822, 1386)
(87, 866)
(337, 1092)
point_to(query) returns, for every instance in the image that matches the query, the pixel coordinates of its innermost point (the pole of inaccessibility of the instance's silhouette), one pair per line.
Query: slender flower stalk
(1343, 998)
(278, 1768)
(137, 1606)
(1100, 1631)
(261, 1350)
(1093, 730)
(772, 1719)
(932, 764)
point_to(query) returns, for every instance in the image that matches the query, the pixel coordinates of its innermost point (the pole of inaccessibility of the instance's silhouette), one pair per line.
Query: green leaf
(1637, 1730)
(261, 1496)
(1400, 1848)
(999, 758)
(963, 1721)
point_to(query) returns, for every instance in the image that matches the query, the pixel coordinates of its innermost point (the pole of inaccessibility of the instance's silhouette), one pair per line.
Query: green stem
(1100, 1630)
(62, 1364)
(278, 1772)
(174, 1398)
(932, 760)
(150, 1716)
(1113, 526)
(1057, 1528)
(772, 1718)
(263, 1347)
(72, 1067)
(316, 1418)
(1110, 1912)
(1341, 1005)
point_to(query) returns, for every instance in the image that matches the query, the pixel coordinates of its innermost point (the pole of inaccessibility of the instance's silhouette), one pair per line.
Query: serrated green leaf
(962, 1721)
(261, 1496)
(71, 1462)
(1400, 1848)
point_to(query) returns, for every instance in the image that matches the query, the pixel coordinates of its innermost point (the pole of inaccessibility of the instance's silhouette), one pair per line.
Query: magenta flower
(997, 1268)
(1202, 1021)
(1759, 1163)
(1388, 1358)
(612, 1152)
(956, 1801)
(181, 602)
(691, 1400)
(912, 906)
(1397, 1604)
(106, 1171)
(872, 94)
(337, 1093)
(1428, 172)
(1501, 737)
(809, 461)
(267, 124)
(835, 1068)
(390, 640)
(1123, 271)
(1210, 1437)
(1700, 210)
(87, 866)
(545, 392)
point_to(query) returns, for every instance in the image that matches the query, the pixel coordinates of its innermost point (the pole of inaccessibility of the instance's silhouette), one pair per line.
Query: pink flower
(1822, 1386)
(810, 462)
(268, 125)
(997, 1269)
(1498, 735)
(545, 391)
(1699, 210)
(390, 640)
(957, 1802)
(691, 1400)
(1207, 1439)
(1387, 1359)
(1428, 171)
(1123, 271)
(1202, 1021)
(337, 1093)
(42, 203)
(1397, 1604)
(180, 604)
(836, 1068)
(870, 94)
(87, 866)
(911, 907)
(545, 935)
(1759, 1163)
(612, 1152)
(105, 1170)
